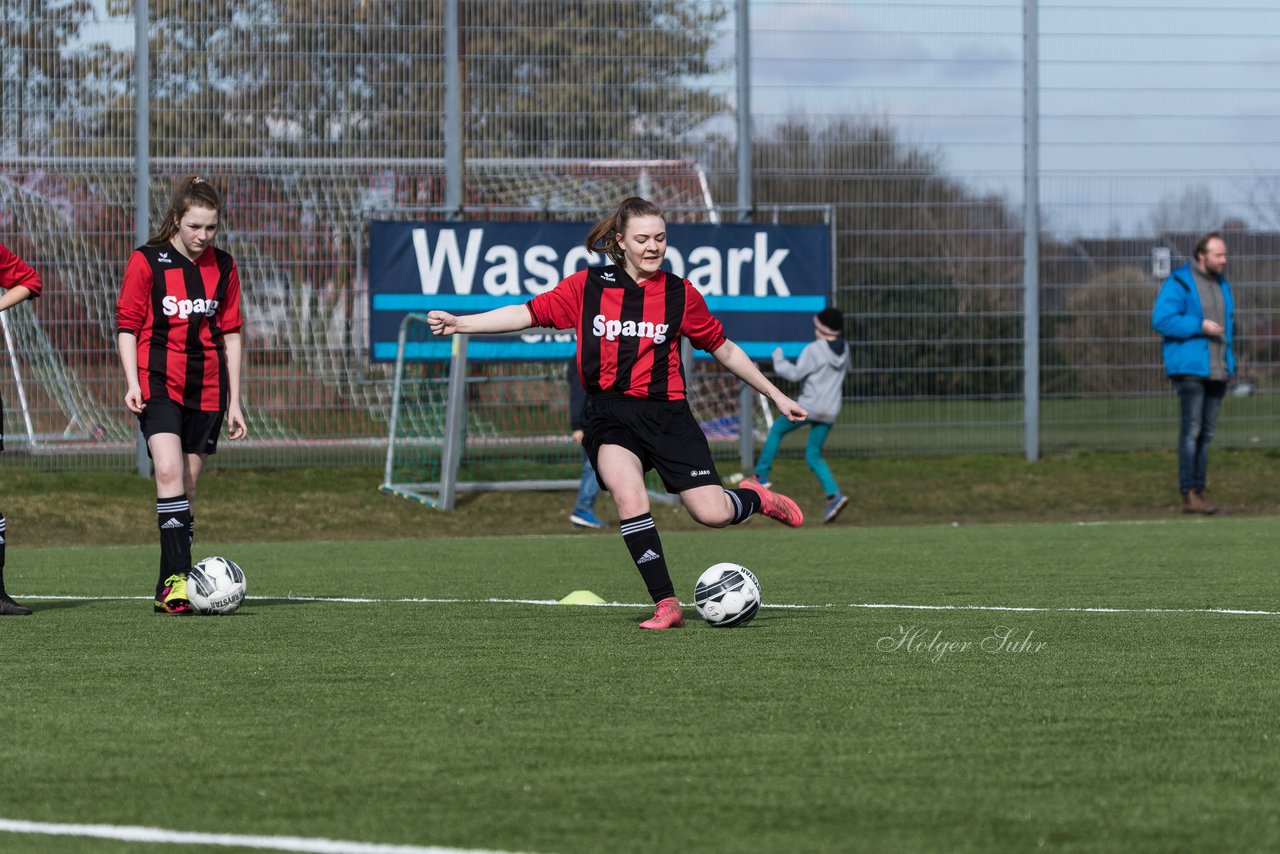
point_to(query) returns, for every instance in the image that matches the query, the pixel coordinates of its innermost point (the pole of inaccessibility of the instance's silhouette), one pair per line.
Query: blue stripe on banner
(496, 349)
(549, 350)
(759, 351)
(485, 302)
(808, 305)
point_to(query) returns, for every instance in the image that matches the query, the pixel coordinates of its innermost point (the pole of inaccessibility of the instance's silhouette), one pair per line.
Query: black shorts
(197, 429)
(662, 433)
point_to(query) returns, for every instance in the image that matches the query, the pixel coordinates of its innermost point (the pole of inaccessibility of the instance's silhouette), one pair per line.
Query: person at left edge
(20, 282)
(178, 332)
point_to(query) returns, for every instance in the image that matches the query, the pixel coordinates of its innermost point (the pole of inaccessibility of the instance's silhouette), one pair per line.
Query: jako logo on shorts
(611, 330)
(183, 308)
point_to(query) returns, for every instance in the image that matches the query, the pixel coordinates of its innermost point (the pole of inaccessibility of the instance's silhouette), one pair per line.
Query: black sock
(191, 530)
(746, 503)
(641, 537)
(173, 516)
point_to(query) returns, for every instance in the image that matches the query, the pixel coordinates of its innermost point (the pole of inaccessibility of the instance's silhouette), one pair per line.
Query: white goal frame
(443, 493)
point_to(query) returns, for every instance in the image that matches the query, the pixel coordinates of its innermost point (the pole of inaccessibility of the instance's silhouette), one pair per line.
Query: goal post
(469, 426)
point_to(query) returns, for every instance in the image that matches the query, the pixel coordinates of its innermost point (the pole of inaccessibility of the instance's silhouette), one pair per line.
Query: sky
(1138, 99)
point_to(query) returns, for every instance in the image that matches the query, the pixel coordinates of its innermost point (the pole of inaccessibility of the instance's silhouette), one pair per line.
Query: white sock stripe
(172, 507)
(737, 504)
(635, 527)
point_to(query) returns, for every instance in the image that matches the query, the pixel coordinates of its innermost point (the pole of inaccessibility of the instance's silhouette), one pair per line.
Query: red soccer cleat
(775, 505)
(668, 615)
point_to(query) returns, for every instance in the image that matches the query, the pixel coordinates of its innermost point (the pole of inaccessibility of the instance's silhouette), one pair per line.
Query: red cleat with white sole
(775, 505)
(668, 615)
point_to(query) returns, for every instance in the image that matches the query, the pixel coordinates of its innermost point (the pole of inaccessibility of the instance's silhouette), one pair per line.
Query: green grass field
(890, 697)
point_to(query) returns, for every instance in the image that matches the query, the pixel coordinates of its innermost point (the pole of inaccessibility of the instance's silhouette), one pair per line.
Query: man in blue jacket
(1195, 314)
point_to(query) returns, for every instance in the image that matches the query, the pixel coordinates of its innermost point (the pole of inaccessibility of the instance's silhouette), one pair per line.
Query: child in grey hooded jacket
(820, 369)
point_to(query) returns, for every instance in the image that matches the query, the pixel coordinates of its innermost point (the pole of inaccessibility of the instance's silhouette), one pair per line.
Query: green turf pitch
(533, 727)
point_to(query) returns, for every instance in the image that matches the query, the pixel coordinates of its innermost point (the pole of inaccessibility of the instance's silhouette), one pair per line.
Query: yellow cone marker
(582, 597)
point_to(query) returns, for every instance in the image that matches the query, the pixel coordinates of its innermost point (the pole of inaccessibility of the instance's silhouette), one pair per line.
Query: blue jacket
(1178, 317)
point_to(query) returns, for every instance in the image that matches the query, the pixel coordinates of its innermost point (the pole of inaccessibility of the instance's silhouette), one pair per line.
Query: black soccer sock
(746, 503)
(191, 530)
(173, 517)
(641, 537)
(2, 539)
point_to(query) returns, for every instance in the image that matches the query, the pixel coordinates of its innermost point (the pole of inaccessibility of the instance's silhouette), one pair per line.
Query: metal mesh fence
(296, 229)
(905, 117)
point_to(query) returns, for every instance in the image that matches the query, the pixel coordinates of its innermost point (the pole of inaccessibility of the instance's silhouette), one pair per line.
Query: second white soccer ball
(726, 595)
(216, 585)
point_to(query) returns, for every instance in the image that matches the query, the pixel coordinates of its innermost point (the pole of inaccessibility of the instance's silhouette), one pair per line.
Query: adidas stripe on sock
(641, 536)
(746, 503)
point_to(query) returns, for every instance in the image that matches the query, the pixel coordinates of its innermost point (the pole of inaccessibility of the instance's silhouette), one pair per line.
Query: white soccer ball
(726, 595)
(215, 585)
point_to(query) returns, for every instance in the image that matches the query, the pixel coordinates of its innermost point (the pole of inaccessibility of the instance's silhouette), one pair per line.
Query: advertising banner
(763, 282)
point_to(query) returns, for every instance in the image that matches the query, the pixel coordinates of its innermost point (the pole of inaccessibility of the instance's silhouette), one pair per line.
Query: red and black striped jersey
(629, 332)
(14, 271)
(180, 310)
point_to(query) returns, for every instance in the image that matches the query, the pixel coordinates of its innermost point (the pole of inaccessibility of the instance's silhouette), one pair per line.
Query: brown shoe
(1191, 502)
(1205, 507)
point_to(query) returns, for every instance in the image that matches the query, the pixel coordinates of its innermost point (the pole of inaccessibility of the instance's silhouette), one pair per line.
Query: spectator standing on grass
(583, 514)
(629, 317)
(1196, 315)
(20, 283)
(820, 369)
(178, 320)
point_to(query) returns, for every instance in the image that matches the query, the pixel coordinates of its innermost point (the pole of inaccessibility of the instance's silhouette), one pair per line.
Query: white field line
(875, 606)
(161, 836)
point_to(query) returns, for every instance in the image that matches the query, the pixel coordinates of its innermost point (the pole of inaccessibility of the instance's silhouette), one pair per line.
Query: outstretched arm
(732, 357)
(13, 296)
(509, 318)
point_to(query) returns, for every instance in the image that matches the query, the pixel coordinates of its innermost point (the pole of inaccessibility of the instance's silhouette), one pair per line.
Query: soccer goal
(473, 426)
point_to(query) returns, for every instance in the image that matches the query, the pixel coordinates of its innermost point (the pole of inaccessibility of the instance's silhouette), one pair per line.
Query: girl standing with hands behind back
(178, 320)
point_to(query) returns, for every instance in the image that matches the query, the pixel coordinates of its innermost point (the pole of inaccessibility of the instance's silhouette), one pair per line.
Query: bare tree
(1193, 211)
(332, 78)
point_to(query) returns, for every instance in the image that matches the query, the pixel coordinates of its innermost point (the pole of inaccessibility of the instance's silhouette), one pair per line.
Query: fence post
(142, 167)
(746, 435)
(452, 111)
(455, 423)
(1031, 231)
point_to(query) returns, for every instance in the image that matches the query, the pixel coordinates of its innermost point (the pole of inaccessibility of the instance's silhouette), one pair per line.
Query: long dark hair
(191, 192)
(603, 236)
